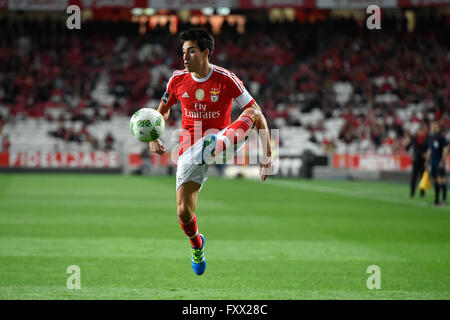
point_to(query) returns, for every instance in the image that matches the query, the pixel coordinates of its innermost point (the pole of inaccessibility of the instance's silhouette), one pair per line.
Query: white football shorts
(189, 167)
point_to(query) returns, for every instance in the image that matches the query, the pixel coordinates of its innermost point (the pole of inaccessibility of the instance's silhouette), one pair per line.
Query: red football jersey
(205, 102)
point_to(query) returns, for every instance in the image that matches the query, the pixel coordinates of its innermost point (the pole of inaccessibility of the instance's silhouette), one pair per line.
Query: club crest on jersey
(199, 94)
(214, 95)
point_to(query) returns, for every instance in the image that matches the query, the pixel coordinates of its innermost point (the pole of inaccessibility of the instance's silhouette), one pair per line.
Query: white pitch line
(354, 194)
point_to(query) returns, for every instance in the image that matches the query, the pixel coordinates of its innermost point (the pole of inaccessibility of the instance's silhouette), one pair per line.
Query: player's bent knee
(184, 213)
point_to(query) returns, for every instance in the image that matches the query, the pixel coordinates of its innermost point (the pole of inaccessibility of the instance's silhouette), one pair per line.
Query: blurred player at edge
(206, 93)
(436, 154)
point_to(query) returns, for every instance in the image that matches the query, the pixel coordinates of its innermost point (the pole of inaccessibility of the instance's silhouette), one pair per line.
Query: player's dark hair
(201, 37)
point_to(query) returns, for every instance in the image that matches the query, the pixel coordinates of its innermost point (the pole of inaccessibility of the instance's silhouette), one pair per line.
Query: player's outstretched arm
(260, 124)
(157, 146)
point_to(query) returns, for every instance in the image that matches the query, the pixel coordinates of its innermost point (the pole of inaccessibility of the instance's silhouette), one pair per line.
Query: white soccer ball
(147, 124)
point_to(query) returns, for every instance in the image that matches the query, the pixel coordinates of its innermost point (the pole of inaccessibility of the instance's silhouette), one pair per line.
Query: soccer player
(437, 151)
(206, 93)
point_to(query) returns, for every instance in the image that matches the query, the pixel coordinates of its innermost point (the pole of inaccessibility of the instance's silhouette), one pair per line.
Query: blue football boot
(198, 260)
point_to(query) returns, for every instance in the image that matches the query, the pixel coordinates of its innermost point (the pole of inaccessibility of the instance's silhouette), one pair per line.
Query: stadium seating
(336, 96)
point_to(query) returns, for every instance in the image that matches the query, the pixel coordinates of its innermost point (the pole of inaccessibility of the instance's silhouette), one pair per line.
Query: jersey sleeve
(169, 98)
(239, 93)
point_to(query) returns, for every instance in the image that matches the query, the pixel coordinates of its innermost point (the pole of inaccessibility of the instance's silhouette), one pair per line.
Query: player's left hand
(265, 168)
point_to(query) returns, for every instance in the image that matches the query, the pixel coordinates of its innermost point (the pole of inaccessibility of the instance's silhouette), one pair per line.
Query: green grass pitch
(282, 239)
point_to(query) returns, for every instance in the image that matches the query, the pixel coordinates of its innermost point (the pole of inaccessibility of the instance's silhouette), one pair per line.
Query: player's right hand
(157, 147)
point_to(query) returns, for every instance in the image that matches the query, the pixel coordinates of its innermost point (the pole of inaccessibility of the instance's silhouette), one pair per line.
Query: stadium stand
(352, 91)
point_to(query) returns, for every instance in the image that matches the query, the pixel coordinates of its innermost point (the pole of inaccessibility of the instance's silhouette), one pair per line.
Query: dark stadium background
(345, 99)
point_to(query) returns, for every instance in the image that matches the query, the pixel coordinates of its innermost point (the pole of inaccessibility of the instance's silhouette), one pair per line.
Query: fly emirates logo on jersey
(200, 111)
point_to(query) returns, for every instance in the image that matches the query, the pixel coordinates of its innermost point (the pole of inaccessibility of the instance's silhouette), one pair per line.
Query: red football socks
(235, 133)
(191, 230)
